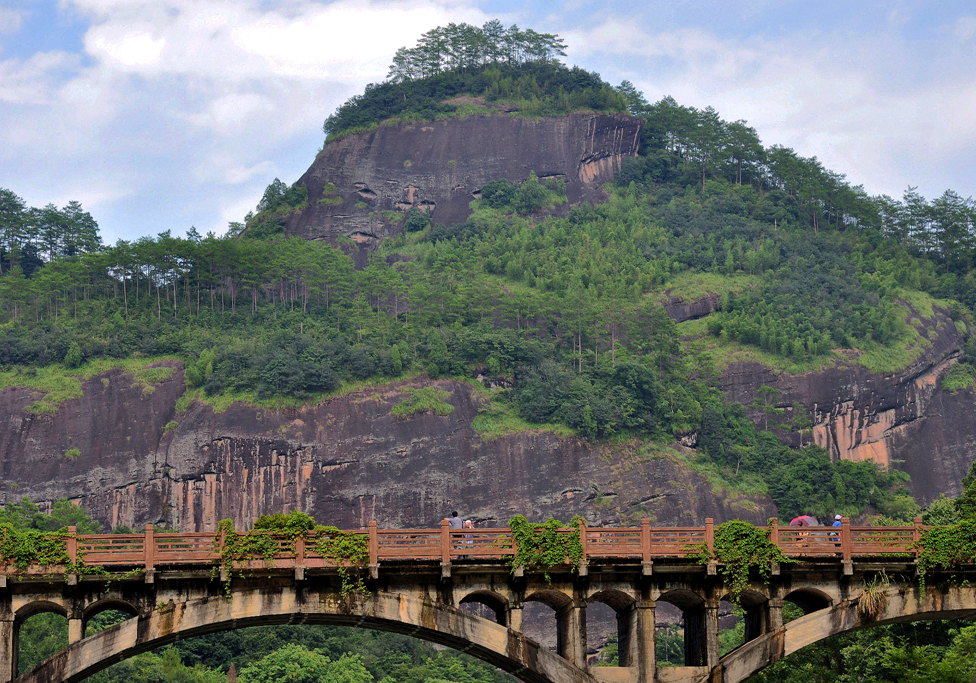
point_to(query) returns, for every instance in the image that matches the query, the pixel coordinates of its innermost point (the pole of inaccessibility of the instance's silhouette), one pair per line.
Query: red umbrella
(804, 520)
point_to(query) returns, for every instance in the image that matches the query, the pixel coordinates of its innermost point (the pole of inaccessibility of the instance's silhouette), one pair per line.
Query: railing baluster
(645, 540)
(445, 540)
(149, 547)
(917, 535)
(71, 544)
(846, 542)
(374, 543)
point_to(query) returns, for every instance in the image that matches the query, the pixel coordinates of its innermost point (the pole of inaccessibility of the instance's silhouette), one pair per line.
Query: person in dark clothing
(454, 521)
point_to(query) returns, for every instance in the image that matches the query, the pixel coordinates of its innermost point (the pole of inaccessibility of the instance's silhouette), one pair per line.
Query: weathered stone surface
(346, 461)
(903, 419)
(440, 166)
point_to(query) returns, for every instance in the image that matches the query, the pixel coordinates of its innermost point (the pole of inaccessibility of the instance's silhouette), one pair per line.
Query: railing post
(445, 549)
(774, 568)
(584, 565)
(374, 543)
(71, 547)
(149, 553)
(300, 557)
(645, 543)
(221, 542)
(373, 547)
(149, 547)
(846, 546)
(917, 535)
(711, 569)
(445, 540)
(71, 544)
(519, 570)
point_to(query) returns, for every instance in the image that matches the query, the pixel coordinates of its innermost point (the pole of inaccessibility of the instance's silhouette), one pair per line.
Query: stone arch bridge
(420, 582)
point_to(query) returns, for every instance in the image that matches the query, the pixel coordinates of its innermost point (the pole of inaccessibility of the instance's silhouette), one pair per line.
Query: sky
(165, 114)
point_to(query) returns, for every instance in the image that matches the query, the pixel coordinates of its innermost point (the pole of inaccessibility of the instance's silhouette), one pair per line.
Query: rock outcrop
(903, 419)
(360, 185)
(346, 461)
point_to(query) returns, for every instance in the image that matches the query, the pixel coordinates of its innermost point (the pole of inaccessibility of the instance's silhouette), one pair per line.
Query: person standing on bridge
(454, 521)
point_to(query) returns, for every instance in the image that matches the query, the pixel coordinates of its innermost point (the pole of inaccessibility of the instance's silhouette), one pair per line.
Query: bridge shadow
(491, 642)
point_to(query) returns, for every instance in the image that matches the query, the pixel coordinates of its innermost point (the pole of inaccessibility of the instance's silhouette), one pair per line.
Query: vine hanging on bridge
(543, 546)
(740, 547)
(946, 547)
(348, 550)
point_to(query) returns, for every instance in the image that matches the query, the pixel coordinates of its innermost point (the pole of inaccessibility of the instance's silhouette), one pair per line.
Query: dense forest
(560, 310)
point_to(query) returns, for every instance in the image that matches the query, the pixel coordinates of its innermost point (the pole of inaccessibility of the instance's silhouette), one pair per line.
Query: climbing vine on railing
(236, 550)
(543, 546)
(740, 547)
(24, 549)
(946, 547)
(350, 552)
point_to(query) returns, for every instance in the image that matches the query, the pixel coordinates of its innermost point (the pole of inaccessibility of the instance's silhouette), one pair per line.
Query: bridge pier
(8, 649)
(571, 637)
(514, 617)
(76, 629)
(712, 647)
(643, 648)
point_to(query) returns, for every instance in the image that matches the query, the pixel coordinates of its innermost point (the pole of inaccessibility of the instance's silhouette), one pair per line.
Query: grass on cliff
(689, 286)
(55, 384)
(916, 321)
(220, 402)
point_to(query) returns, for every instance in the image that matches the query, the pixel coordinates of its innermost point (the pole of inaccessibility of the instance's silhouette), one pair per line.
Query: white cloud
(33, 80)
(11, 20)
(818, 93)
(181, 111)
(964, 28)
(174, 99)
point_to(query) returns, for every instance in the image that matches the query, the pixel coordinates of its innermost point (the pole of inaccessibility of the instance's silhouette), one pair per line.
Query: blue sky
(165, 114)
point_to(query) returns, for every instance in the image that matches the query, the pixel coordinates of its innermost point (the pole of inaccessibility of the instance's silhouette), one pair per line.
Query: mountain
(513, 297)
(361, 185)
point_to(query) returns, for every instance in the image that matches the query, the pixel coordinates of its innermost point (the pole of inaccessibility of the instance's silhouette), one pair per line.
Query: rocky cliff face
(359, 186)
(903, 419)
(349, 460)
(346, 461)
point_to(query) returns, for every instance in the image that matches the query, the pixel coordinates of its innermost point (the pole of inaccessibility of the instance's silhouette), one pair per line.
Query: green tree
(296, 664)
(966, 502)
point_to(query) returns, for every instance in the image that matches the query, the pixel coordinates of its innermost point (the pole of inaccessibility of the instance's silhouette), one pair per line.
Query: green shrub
(959, 376)
(424, 400)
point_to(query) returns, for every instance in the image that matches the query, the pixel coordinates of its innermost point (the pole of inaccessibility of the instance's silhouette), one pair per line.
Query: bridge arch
(900, 604)
(624, 606)
(755, 606)
(809, 599)
(38, 607)
(692, 606)
(106, 605)
(492, 600)
(422, 618)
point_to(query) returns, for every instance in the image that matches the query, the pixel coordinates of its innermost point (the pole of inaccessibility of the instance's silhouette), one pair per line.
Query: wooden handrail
(643, 543)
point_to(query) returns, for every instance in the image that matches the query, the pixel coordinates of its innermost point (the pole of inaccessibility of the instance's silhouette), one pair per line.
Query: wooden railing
(151, 549)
